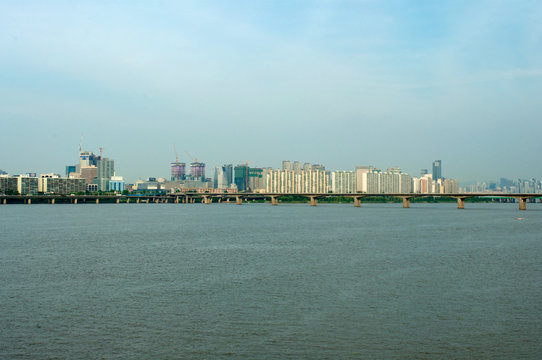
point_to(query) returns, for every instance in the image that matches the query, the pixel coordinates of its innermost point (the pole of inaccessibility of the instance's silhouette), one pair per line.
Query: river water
(258, 281)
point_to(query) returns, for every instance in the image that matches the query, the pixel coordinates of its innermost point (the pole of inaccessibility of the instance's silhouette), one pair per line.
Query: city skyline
(340, 83)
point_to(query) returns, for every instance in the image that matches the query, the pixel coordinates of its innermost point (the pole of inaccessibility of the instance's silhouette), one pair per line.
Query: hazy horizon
(337, 83)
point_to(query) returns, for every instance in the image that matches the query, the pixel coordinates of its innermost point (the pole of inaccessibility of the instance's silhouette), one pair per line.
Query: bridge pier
(97, 201)
(314, 201)
(29, 201)
(406, 202)
(460, 203)
(75, 201)
(274, 200)
(522, 203)
(118, 201)
(4, 201)
(239, 200)
(357, 201)
(127, 200)
(52, 201)
(137, 201)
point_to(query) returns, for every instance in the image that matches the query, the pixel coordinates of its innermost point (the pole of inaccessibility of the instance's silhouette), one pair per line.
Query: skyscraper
(106, 170)
(223, 176)
(241, 177)
(437, 170)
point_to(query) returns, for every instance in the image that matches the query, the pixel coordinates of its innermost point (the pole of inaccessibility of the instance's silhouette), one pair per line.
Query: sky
(338, 83)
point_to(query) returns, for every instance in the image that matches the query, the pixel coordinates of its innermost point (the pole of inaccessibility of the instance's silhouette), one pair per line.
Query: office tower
(197, 171)
(223, 176)
(240, 177)
(87, 158)
(178, 171)
(228, 174)
(70, 169)
(106, 169)
(437, 170)
(287, 165)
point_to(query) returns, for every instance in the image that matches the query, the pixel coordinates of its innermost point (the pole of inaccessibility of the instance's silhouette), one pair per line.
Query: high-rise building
(70, 169)
(437, 170)
(106, 170)
(178, 171)
(287, 165)
(223, 176)
(343, 182)
(87, 158)
(297, 167)
(197, 171)
(240, 177)
(54, 184)
(27, 185)
(256, 181)
(8, 184)
(360, 170)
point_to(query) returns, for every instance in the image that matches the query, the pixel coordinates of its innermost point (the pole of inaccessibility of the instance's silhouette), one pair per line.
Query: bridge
(239, 198)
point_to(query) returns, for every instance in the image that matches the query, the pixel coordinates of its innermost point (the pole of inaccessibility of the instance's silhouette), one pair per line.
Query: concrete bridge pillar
(314, 201)
(137, 201)
(406, 202)
(4, 201)
(97, 201)
(29, 201)
(219, 200)
(75, 201)
(227, 200)
(460, 203)
(274, 200)
(52, 201)
(522, 203)
(118, 201)
(127, 200)
(239, 200)
(357, 201)
(176, 200)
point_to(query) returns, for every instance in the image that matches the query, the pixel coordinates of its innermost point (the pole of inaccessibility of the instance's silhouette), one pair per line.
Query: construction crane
(191, 157)
(81, 143)
(176, 155)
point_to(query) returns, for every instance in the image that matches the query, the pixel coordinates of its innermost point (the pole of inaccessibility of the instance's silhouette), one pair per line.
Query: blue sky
(343, 83)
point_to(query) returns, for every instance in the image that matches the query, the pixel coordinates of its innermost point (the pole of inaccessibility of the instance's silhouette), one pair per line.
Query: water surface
(258, 281)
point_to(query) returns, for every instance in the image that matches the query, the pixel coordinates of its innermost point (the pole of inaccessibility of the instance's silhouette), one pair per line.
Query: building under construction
(178, 171)
(197, 171)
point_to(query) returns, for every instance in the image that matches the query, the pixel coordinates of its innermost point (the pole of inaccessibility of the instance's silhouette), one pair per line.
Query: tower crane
(176, 155)
(191, 157)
